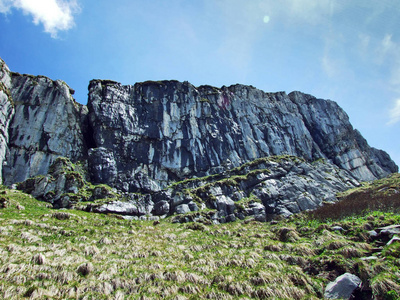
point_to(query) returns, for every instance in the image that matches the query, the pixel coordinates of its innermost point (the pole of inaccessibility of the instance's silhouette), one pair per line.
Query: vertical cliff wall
(153, 133)
(6, 110)
(143, 137)
(47, 124)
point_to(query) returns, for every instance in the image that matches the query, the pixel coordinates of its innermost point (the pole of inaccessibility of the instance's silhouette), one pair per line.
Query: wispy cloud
(385, 48)
(55, 15)
(394, 113)
(312, 11)
(387, 53)
(305, 11)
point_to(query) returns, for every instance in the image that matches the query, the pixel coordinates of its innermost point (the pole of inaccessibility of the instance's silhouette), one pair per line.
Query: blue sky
(346, 51)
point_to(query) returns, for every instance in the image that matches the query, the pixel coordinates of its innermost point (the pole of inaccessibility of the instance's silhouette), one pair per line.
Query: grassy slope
(72, 254)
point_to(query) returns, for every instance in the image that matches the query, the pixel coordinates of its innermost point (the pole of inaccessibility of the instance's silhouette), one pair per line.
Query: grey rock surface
(342, 287)
(269, 187)
(164, 131)
(161, 208)
(170, 147)
(64, 186)
(47, 124)
(6, 110)
(182, 209)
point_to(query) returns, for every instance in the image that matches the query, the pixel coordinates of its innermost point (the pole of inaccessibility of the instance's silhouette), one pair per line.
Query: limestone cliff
(6, 111)
(153, 133)
(144, 139)
(47, 123)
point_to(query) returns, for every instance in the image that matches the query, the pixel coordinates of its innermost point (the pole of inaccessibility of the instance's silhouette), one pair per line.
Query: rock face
(6, 110)
(262, 189)
(154, 133)
(170, 147)
(47, 123)
(65, 186)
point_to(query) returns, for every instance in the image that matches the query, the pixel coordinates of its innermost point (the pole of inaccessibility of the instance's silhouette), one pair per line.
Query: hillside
(53, 254)
(164, 190)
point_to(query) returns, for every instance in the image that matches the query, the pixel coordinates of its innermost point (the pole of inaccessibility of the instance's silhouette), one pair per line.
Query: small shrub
(273, 247)
(196, 226)
(85, 269)
(38, 259)
(61, 216)
(286, 234)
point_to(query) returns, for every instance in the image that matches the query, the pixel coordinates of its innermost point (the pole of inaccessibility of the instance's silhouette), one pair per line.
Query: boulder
(118, 207)
(161, 208)
(342, 287)
(182, 209)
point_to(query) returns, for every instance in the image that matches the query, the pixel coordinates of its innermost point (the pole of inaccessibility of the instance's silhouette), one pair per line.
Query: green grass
(71, 254)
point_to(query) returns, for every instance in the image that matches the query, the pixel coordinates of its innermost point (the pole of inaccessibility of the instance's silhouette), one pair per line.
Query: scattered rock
(337, 228)
(161, 208)
(389, 230)
(4, 202)
(372, 234)
(342, 287)
(20, 207)
(369, 258)
(105, 241)
(119, 207)
(394, 239)
(182, 209)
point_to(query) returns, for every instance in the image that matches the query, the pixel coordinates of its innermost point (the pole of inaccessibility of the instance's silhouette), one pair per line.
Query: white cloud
(55, 15)
(394, 113)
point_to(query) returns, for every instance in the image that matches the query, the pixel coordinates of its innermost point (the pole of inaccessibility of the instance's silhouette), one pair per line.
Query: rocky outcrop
(334, 136)
(262, 189)
(169, 147)
(47, 123)
(65, 186)
(6, 110)
(154, 133)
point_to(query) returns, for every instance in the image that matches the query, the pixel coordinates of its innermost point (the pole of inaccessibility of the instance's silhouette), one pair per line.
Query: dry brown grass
(99, 257)
(384, 284)
(381, 195)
